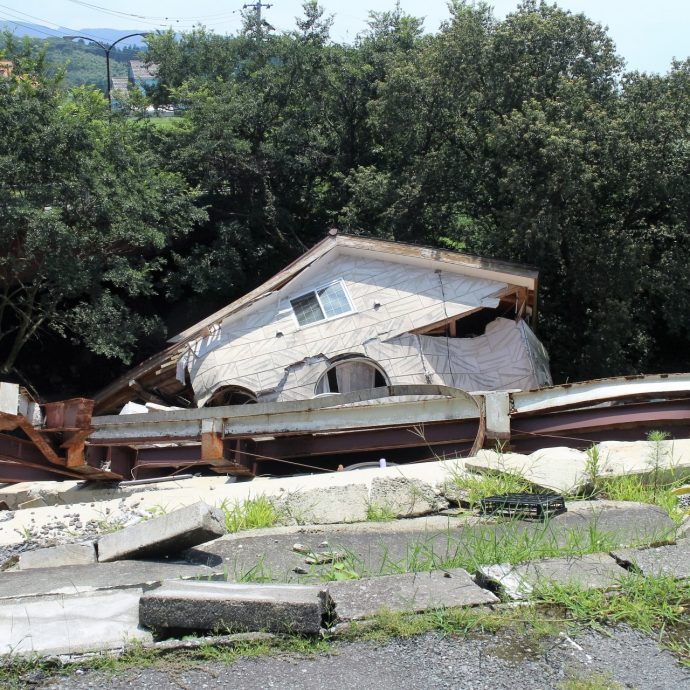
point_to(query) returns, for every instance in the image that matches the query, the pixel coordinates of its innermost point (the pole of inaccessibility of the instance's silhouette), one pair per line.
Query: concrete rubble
(409, 592)
(71, 623)
(670, 560)
(56, 556)
(57, 588)
(174, 532)
(570, 471)
(594, 571)
(232, 607)
(406, 497)
(76, 579)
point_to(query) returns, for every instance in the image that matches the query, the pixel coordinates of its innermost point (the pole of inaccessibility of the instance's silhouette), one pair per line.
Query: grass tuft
(252, 513)
(380, 513)
(475, 487)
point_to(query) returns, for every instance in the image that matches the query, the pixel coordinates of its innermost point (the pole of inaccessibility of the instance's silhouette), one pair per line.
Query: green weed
(644, 603)
(251, 513)
(476, 487)
(380, 513)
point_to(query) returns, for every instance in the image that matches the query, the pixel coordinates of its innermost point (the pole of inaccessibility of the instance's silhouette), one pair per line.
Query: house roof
(514, 274)
(500, 271)
(140, 70)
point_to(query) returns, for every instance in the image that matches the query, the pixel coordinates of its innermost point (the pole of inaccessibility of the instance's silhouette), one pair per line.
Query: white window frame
(315, 292)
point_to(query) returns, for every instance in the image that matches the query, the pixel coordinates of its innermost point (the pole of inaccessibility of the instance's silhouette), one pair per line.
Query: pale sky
(648, 35)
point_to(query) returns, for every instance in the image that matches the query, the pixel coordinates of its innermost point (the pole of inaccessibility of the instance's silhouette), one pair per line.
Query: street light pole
(106, 50)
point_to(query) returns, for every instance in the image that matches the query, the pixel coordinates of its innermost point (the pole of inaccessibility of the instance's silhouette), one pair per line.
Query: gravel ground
(69, 530)
(496, 662)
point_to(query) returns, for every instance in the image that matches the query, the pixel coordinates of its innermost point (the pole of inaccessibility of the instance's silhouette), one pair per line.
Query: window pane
(307, 309)
(334, 300)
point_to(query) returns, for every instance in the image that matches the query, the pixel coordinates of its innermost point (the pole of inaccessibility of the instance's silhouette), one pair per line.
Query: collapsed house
(360, 349)
(354, 314)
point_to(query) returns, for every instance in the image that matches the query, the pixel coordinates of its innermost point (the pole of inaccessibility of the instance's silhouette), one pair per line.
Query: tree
(85, 217)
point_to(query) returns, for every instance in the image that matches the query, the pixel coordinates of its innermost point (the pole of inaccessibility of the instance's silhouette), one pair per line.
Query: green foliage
(645, 603)
(85, 217)
(519, 138)
(475, 487)
(593, 681)
(656, 485)
(252, 513)
(380, 513)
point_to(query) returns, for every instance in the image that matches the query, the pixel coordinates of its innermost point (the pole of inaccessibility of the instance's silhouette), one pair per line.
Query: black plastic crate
(538, 506)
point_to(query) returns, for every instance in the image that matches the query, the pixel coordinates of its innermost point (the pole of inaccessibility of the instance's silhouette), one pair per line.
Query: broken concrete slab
(166, 534)
(95, 505)
(384, 548)
(562, 470)
(594, 571)
(670, 560)
(328, 505)
(56, 556)
(405, 497)
(96, 576)
(670, 460)
(235, 607)
(569, 471)
(410, 592)
(71, 624)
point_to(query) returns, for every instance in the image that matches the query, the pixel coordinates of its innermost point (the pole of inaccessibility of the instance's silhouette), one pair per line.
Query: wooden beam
(444, 322)
(144, 394)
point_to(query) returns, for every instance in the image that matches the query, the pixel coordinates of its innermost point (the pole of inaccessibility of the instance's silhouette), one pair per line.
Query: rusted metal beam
(47, 472)
(18, 449)
(14, 473)
(647, 415)
(368, 440)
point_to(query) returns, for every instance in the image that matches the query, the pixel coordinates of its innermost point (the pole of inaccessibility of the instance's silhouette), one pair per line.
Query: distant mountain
(103, 35)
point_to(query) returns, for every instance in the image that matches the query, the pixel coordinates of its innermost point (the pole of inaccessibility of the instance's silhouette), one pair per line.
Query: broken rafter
(146, 395)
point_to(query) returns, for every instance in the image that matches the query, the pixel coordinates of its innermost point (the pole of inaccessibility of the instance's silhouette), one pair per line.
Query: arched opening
(231, 395)
(349, 375)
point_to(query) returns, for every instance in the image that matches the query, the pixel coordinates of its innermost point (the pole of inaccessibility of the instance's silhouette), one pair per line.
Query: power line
(120, 13)
(16, 22)
(56, 31)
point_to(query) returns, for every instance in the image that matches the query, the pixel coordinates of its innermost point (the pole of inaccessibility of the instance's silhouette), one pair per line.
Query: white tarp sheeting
(507, 356)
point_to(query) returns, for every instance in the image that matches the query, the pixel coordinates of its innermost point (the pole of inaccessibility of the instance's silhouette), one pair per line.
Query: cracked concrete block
(76, 579)
(56, 556)
(594, 571)
(235, 607)
(325, 506)
(406, 497)
(410, 592)
(167, 534)
(669, 560)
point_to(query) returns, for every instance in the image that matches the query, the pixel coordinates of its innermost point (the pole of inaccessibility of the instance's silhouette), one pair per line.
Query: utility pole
(257, 7)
